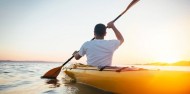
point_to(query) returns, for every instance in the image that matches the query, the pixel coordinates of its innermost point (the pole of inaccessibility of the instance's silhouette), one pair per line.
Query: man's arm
(76, 55)
(116, 31)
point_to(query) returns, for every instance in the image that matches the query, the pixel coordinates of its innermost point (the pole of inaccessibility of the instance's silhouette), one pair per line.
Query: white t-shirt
(99, 52)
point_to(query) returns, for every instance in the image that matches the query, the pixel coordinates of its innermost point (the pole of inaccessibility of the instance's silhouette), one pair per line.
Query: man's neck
(97, 37)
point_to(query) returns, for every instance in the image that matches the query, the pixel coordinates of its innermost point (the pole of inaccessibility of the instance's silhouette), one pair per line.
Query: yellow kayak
(131, 80)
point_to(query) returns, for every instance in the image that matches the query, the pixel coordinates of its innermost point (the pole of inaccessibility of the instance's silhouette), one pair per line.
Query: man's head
(100, 30)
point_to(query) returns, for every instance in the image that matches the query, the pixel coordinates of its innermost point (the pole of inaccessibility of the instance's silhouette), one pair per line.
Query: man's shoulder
(114, 43)
(108, 42)
(114, 40)
(86, 43)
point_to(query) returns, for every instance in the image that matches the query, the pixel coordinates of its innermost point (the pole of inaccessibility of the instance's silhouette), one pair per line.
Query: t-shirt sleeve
(115, 44)
(82, 50)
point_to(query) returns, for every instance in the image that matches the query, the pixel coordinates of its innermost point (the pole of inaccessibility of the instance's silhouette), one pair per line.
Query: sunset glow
(169, 59)
(53, 30)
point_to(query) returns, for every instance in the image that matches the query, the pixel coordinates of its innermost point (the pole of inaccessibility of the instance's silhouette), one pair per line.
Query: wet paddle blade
(53, 73)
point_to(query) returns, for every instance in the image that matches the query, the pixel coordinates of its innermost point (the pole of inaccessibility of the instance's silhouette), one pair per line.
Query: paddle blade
(53, 73)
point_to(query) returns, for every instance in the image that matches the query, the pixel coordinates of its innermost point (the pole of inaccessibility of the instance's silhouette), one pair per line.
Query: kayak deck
(133, 82)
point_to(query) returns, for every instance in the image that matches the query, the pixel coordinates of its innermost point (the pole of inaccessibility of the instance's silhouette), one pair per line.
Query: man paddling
(102, 55)
(99, 52)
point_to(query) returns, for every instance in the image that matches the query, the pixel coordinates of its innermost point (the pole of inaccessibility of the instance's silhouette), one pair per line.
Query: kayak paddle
(53, 73)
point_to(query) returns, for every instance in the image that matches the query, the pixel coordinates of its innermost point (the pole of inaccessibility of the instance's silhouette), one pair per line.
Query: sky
(51, 30)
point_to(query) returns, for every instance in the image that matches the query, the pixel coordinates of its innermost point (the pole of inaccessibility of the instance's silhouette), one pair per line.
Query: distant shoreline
(179, 63)
(27, 61)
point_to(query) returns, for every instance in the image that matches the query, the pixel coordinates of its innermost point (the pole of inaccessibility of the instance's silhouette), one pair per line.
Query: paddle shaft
(128, 7)
(68, 60)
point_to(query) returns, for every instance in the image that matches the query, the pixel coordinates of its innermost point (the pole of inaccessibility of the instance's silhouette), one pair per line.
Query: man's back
(99, 52)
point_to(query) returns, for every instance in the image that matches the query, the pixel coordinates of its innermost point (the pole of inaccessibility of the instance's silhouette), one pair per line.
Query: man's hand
(76, 55)
(110, 24)
(116, 31)
(75, 52)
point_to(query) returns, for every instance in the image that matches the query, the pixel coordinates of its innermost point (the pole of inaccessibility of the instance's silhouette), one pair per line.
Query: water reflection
(59, 86)
(53, 83)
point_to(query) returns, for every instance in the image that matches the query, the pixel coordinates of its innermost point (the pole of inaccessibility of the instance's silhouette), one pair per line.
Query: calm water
(24, 78)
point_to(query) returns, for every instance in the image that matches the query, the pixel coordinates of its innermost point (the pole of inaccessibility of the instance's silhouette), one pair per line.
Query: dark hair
(100, 29)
